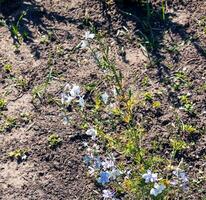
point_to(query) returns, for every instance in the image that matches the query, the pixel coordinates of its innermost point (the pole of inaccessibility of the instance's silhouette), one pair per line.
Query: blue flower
(104, 178)
(182, 177)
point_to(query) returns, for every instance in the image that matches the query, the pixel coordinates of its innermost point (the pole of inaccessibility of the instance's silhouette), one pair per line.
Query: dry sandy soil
(60, 173)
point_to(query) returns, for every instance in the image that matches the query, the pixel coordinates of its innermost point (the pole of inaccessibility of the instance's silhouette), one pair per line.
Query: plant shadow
(151, 23)
(21, 20)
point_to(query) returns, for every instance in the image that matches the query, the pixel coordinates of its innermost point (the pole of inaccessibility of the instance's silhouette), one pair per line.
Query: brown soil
(60, 173)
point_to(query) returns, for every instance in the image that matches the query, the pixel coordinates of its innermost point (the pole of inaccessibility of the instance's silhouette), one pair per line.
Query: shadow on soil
(150, 27)
(26, 14)
(149, 22)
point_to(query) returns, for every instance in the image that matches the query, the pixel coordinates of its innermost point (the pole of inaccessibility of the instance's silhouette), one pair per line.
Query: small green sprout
(189, 107)
(44, 39)
(18, 154)
(148, 96)
(54, 140)
(22, 83)
(177, 145)
(15, 32)
(187, 104)
(7, 68)
(184, 99)
(156, 104)
(90, 87)
(145, 81)
(25, 117)
(60, 50)
(180, 80)
(9, 123)
(176, 86)
(181, 76)
(15, 29)
(39, 90)
(189, 128)
(173, 48)
(3, 103)
(202, 24)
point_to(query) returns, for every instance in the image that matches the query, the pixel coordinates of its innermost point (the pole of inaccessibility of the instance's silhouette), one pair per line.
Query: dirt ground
(60, 173)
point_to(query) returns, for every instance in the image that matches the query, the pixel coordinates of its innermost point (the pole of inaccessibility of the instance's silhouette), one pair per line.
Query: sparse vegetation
(2, 103)
(54, 140)
(19, 154)
(8, 124)
(121, 82)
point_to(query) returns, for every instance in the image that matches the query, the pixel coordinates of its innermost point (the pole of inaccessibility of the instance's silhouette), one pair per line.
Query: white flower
(67, 88)
(96, 147)
(65, 120)
(107, 164)
(84, 44)
(75, 91)
(107, 194)
(92, 132)
(158, 188)
(89, 35)
(181, 175)
(105, 97)
(66, 99)
(113, 106)
(85, 144)
(115, 173)
(91, 171)
(174, 182)
(109, 161)
(114, 91)
(149, 176)
(24, 157)
(128, 173)
(81, 102)
(70, 93)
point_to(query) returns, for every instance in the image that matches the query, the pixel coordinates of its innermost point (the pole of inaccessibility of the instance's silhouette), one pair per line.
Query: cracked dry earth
(60, 173)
